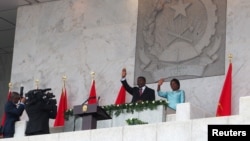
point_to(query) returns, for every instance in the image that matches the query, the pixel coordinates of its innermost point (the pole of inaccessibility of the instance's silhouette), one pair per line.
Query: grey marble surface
(75, 37)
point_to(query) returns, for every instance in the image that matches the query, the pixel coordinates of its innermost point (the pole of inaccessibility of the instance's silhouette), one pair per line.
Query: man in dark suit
(13, 111)
(140, 93)
(39, 111)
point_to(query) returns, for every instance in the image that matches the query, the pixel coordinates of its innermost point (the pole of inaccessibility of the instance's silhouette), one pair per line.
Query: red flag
(121, 96)
(4, 114)
(92, 94)
(59, 121)
(224, 105)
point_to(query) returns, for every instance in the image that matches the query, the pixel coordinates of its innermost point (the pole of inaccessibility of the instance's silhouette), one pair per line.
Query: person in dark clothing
(13, 110)
(139, 93)
(40, 109)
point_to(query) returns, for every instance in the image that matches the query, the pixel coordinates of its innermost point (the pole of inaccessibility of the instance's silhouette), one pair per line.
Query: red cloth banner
(121, 98)
(92, 94)
(63, 106)
(224, 104)
(4, 116)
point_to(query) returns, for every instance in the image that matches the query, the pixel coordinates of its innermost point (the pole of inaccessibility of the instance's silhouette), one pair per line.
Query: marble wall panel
(75, 37)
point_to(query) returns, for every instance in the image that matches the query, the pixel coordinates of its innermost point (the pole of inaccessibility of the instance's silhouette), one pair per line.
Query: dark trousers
(8, 135)
(37, 133)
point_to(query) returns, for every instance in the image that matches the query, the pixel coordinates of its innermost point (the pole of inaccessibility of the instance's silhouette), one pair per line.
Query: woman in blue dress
(173, 97)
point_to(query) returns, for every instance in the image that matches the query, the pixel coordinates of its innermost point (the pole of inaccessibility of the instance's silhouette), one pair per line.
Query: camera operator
(14, 109)
(40, 107)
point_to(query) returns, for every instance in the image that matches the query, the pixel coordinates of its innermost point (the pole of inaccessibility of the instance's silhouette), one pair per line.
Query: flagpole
(62, 107)
(92, 93)
(224, 104)
(10, 86)
(64, 81)
(230, 57)
(37, 83)
(92, 75)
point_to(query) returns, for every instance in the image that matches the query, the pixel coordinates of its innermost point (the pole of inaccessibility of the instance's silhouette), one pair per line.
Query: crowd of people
(39, 111)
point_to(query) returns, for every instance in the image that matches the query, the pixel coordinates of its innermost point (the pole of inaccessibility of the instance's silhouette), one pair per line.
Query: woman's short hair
(176, 81)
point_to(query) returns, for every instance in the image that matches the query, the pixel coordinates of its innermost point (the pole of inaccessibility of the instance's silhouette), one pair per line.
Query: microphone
(98, 100)
(21, 91)
(92, 97)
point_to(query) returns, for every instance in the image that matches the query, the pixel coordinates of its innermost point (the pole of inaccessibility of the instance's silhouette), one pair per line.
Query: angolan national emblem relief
(179, 39)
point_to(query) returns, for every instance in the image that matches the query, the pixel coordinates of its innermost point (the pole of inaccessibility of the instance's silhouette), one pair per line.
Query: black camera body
(40, 95)
(40, 106)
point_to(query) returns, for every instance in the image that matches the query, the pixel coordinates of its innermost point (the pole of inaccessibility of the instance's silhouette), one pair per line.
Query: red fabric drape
(63, 105)
(224, 104)
(121, 98)
(4, 116)
(92, 94)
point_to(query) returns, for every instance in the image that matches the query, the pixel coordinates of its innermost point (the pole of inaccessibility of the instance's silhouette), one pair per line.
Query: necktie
(140, 91)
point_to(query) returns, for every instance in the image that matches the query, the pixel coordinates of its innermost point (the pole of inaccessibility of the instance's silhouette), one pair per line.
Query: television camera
(40, 95)
(40, 106)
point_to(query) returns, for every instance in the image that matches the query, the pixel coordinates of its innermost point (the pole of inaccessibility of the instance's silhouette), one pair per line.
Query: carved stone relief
(180, 38)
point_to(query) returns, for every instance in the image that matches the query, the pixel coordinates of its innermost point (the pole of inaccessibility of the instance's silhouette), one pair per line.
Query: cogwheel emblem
(176, 32)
